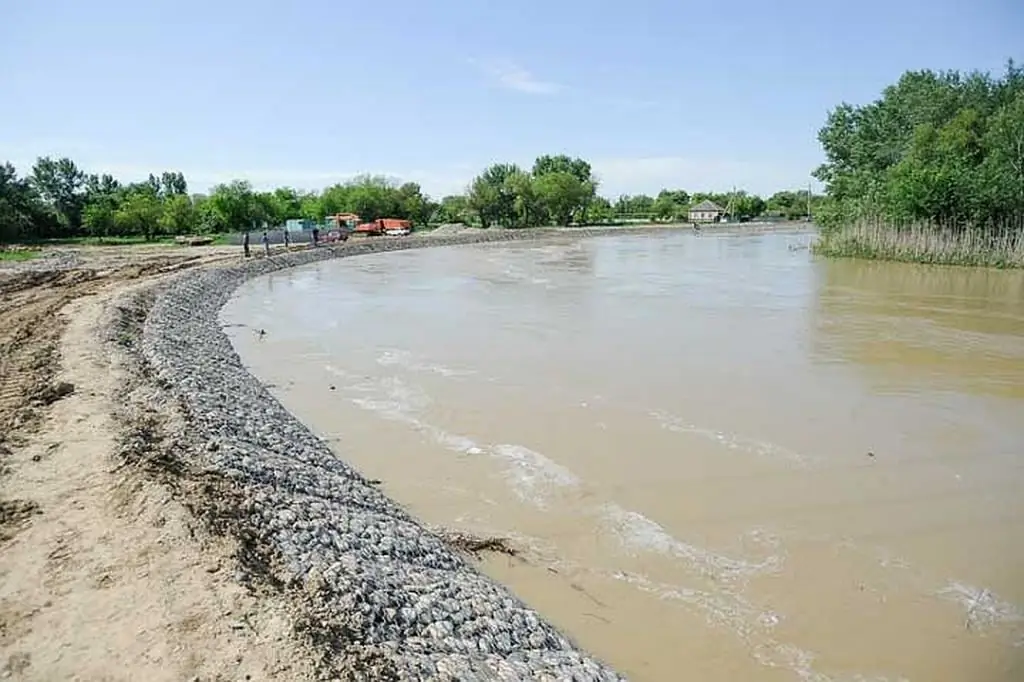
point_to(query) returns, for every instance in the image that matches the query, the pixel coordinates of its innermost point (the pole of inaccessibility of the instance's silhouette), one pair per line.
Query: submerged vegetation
(933, 171)
(926, 242)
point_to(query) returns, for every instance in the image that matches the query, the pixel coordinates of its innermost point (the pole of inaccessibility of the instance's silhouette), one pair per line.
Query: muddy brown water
(723, 457)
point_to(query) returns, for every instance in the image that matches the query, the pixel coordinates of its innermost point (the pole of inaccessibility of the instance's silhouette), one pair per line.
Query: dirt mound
(449, 229)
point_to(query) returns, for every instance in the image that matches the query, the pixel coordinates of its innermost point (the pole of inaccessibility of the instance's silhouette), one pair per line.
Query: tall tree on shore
(565, 185)
(21, 210)
(491, 197)
(62, 187)
(943, 147)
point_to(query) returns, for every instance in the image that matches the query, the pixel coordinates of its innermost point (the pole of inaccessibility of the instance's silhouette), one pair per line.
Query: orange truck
(340, 226)
(388, 226)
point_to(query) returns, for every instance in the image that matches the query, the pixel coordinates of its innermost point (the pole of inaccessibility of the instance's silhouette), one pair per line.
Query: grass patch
(17, 255)
(114, 241)
(162, 240)
(220, 240)
(938, 244)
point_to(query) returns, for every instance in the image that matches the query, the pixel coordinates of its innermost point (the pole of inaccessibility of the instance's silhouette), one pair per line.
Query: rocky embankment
(377, 593)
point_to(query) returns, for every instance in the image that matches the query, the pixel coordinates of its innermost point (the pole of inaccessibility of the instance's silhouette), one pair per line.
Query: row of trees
(944, 148)
(58, 199)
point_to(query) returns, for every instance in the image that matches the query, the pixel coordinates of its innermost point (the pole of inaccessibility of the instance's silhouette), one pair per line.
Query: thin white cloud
(512, 76)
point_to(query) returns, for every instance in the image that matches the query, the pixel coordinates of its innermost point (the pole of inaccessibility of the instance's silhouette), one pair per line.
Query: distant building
(706, 212)
(298, 225)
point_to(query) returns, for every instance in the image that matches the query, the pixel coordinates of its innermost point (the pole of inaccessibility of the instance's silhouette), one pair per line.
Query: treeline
(560, 190)
(57, 199)
(944, 149)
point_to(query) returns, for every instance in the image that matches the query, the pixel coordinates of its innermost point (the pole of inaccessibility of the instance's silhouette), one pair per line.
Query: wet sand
(721, 457)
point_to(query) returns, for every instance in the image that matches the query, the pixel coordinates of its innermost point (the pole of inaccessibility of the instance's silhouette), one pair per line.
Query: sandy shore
(162, 517)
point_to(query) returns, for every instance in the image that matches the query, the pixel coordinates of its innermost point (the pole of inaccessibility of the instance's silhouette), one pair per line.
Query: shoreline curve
(380, 595)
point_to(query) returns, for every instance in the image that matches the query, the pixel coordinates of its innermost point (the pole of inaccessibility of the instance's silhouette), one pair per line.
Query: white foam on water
(732, 441)
(531, 474)
(336, 371)
(534, 476)
(982, 608)
(729, 610)
(405, 359)
(390, 397)
(454, 441)
(639, 533)
(773, 654)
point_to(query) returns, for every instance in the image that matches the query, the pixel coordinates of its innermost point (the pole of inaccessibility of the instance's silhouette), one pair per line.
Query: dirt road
(104, 574)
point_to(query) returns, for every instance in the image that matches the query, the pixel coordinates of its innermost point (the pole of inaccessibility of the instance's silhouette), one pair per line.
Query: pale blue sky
(694, 95)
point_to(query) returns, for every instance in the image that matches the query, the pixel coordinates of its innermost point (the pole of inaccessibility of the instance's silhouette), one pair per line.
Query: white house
(706, 212)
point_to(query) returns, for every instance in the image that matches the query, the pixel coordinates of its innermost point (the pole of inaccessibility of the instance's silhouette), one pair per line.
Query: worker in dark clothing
(286, 239)
(316, 236)
(266, 242)
(245, 243)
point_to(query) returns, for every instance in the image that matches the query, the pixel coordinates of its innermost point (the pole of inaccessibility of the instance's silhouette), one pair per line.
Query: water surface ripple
(719, 454)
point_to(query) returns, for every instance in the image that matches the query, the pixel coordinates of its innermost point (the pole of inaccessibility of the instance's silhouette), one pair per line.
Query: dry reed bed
(927, 243)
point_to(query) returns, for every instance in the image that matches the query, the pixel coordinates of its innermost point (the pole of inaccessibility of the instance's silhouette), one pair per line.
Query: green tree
(139, 214)
(563, 164)
(490, 196)
(172, 184)
(636, 206)
(452, 209)
(1001, 173)
(288, 203)
(62, 187)
(179, 215)
(564, 195)
(934, 147)
(311, 206)
(600, 211)
(412, 204)
(528, 207)
(671, 204)
(562, 167)
(98, 217)
(372, 197)
(747, 206)
(232, 206)
(22, 213)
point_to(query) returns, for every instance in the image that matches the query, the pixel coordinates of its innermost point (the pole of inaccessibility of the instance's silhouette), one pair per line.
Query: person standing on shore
(266, 243)
(245, 243)
(316, 236)
(285, 238)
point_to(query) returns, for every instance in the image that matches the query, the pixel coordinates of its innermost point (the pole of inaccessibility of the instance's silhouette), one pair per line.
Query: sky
(701, 96)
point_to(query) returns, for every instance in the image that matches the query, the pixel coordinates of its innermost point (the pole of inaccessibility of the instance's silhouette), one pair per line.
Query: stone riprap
(390, 593)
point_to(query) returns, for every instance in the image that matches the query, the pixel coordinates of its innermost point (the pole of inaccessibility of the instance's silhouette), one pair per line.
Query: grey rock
(367, 567)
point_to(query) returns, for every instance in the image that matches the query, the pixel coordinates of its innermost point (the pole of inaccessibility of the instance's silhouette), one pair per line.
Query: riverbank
(112, 513)
(105, 572)
(923, 244)
(363, 570)
(225, 532)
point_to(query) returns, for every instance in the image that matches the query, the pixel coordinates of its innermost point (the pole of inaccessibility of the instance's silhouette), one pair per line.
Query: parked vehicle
(340, 226)
(385, 226)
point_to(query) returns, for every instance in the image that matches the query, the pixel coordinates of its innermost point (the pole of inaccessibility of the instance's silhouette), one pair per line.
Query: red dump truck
(388, 226)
